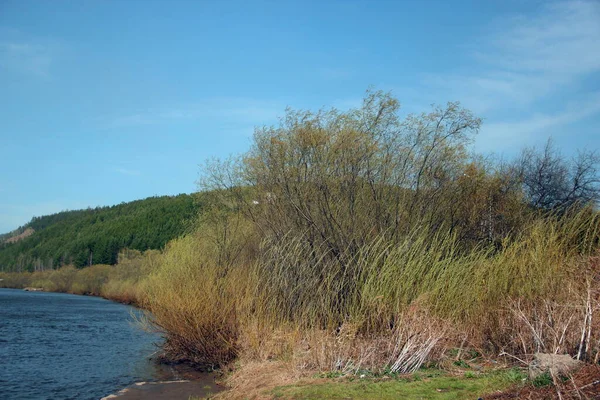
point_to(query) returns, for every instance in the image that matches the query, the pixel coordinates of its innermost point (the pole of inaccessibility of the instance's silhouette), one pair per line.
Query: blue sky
(110, 101)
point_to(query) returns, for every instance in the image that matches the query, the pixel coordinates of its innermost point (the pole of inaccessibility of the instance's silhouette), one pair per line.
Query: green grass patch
(426, 386)
(544, 379)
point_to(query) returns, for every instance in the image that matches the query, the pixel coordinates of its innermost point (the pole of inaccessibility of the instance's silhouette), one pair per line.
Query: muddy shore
(168, 390)
(178, 382)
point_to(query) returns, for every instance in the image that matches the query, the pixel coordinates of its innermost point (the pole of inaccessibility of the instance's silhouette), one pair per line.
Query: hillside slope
(95, 236)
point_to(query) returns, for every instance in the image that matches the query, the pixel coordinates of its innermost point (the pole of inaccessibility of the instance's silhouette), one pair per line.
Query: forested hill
(96, 235)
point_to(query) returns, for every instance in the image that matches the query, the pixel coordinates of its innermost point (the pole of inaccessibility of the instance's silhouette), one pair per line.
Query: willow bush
(347, 226)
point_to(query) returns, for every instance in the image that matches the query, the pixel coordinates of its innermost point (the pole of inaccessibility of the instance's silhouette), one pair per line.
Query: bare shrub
(553, 182)
(416, 339)
(341, 178)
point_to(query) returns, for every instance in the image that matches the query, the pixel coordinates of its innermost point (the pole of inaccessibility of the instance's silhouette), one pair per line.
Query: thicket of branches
(364, 231)
(552, 182)
(341, 179)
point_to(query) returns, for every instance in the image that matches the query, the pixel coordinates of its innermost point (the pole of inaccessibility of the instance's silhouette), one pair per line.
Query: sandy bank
(167, 390)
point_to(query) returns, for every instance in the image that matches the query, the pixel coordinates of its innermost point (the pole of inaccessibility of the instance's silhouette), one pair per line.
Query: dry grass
(194, 301)
(390, 307)
(255, 380)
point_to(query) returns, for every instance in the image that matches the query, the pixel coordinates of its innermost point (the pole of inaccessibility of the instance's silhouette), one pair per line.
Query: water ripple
(58, 346)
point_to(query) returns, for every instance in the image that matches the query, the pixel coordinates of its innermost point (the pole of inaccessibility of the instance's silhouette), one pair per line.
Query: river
(61, 346)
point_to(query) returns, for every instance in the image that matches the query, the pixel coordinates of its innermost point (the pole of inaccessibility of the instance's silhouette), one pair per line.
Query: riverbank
(179, 381)
(122, 283)
(116, 298)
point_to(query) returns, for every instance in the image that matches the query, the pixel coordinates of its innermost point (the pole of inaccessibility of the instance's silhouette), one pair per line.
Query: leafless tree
(553, 182)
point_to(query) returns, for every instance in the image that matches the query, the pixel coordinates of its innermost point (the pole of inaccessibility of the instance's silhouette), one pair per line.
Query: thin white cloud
(561, 40)
(492, 89)
(134, 120)
(234, 109)
(516, 134)
(126, 171)
(26, 57)
(525, 63)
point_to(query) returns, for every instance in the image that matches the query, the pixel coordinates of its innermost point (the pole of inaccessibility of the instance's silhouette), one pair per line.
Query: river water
(61, 346)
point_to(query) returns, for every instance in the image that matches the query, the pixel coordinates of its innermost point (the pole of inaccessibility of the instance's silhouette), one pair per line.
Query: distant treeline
(95, 236)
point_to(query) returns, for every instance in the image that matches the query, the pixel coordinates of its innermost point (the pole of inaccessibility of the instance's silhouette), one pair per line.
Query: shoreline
(132, 303)
(167, 390)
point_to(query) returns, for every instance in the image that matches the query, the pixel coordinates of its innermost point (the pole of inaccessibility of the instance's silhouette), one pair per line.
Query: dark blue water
(60, 346)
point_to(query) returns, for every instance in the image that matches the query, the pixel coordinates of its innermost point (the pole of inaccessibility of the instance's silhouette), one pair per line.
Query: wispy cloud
(515, 134)
(234, 109)
(26, 57)
(134, 120)
(126, 171)
(523, 64)
(23, 53)
(561, 41)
